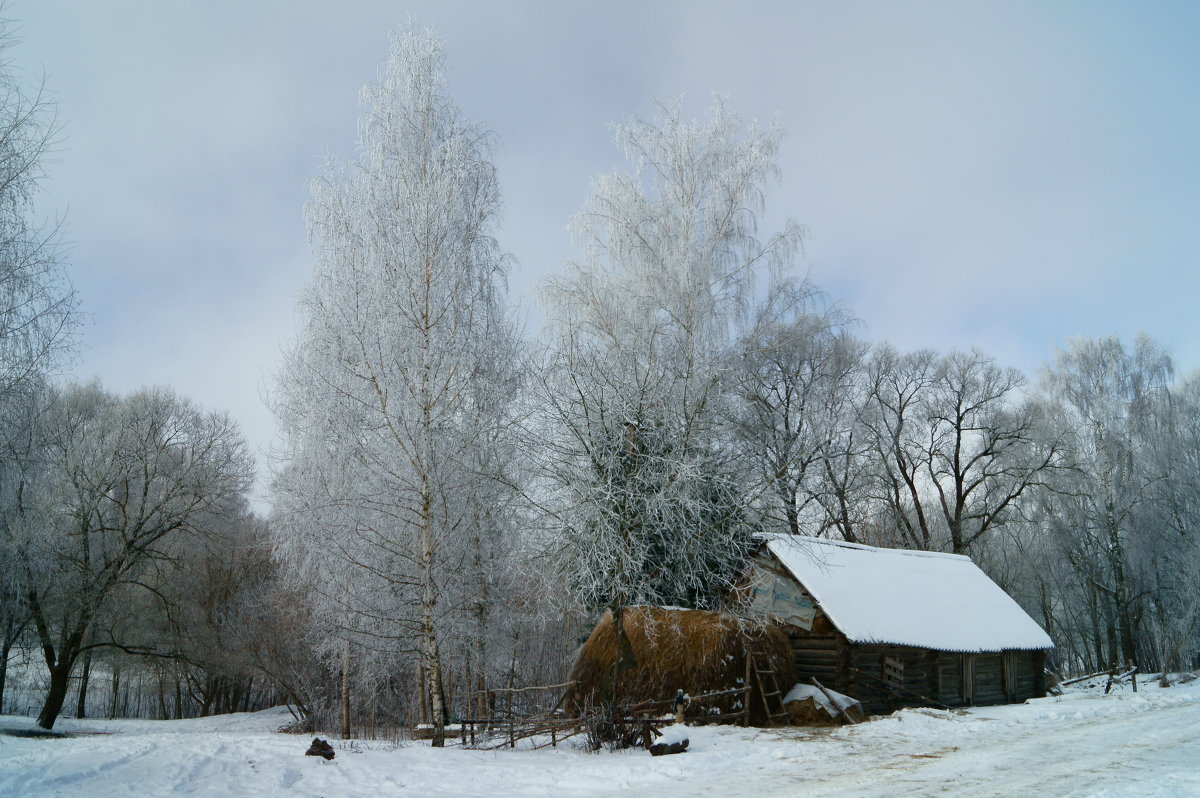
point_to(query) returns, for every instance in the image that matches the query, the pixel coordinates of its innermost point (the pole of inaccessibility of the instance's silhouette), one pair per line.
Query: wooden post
(843, 712)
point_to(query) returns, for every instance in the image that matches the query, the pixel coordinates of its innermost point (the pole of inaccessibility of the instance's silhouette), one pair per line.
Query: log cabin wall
(930, 678)
(819, 653)
(881, 693)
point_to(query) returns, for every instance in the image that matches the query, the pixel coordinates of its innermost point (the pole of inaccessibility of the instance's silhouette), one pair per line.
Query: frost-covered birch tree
(640, 331)
(391, 393)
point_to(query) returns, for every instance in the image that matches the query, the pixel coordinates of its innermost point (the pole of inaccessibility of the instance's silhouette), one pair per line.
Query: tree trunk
(4, 652)
(81, 703)
(433, 658)
(116, 691)
(626, 659)
(208, 693)
(162, 699)
(422, 694)
(60, 679)
(478, 686)
(437, 696)
(59, 662)
(346, 690)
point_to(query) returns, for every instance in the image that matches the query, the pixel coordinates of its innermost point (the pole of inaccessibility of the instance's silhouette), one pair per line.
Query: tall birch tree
(388, 394)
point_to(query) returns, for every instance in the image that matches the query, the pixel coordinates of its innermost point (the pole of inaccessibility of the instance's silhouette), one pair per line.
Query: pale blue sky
(996, 174)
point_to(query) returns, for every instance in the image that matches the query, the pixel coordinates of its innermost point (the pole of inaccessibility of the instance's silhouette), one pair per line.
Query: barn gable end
(897, 628)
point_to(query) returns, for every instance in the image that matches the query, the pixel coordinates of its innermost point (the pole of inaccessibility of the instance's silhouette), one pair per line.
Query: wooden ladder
(758, 663)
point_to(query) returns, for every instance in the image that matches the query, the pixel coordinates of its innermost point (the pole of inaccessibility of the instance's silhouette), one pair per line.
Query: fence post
(746, 693)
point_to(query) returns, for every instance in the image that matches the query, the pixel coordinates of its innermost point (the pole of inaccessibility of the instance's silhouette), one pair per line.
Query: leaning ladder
(758, 667)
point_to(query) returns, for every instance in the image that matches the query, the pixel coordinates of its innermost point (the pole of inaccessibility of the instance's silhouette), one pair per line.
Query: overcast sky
(1004, 175)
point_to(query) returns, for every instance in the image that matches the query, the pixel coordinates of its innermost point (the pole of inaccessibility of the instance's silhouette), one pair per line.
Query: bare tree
(894, 414)
(795, 417)
(125, 476)
(987, 447)
(958, 445)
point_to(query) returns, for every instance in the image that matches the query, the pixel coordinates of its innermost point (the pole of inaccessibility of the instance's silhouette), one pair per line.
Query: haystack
(692, 650)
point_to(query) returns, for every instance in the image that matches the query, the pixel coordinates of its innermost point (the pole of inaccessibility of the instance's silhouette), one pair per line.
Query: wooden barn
(896, 628)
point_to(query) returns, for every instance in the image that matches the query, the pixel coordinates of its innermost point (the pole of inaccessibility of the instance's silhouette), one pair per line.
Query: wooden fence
(523, 713)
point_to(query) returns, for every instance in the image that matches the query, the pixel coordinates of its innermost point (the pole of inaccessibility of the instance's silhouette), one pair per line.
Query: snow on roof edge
(768, 537)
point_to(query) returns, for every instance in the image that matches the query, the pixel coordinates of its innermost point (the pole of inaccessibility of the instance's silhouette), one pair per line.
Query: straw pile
(693, 650)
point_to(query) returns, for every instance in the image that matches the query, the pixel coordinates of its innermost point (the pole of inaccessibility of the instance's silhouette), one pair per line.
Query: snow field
(1082, 744)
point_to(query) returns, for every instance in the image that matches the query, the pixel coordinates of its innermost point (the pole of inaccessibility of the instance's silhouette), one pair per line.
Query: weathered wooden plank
(819, 645)
(802, 635)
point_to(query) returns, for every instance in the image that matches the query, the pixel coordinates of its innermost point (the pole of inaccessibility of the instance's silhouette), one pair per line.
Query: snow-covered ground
(1082, 744)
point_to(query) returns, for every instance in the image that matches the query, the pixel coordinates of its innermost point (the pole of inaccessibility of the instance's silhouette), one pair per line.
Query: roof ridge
(845, 544)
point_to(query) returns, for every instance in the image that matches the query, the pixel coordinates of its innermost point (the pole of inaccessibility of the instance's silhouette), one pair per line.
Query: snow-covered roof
(908, 598)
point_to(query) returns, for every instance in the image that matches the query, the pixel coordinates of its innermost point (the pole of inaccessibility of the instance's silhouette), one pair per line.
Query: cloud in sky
(1002, 174)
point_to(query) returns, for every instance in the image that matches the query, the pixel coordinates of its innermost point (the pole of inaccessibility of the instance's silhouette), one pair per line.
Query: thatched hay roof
(693, 650)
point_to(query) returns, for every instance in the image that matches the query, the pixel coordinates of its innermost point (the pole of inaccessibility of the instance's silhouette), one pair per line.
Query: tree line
(455, 501)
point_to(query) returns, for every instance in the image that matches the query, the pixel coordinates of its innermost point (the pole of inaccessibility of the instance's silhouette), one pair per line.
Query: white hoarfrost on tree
(956, 446)
(122, 477)
(37, 304)
(37, 320)
(1107, 516)
(392, 396)
(795, 414)
(640, 331)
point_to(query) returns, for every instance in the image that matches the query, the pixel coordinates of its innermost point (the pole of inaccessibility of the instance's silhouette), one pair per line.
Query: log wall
(931, 678)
